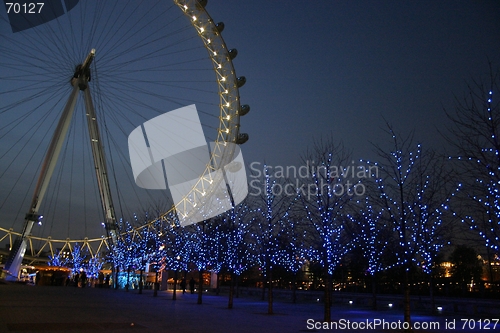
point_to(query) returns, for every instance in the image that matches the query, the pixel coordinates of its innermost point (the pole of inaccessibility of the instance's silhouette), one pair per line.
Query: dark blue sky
(321, 68)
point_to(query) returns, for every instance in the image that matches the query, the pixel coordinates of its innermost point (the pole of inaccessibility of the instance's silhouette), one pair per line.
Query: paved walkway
(68, 309)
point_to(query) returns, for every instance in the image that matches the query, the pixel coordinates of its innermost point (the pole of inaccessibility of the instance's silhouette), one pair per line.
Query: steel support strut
(79, 82)
(100, 168)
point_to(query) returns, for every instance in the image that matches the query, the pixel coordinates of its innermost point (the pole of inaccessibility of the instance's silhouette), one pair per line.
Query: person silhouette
(183, 285)
(191, 285)
(76, 278)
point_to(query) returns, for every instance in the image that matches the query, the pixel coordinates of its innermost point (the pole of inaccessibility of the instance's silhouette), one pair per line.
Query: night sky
(341, 69)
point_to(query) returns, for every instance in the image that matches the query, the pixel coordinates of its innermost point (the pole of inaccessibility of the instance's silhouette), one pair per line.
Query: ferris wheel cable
(111, 59)
(125, 162)
(95, 21)
(110, 62)
(14, 106)
(60, 42)
(30, 77)
(33, 68)
(71, 41)
(8, 167)
(134, 89)
(126, 102)
(52, 206)
(170, 85)
(11, 106)
(137, 27)
(47, 118)
(32, 63)
(132, 85)
(57, 46)
(159, 69)
(33, 133)
(31, 41)
(14, 124)
(37, 93)
(10, 50)
(113, 25)
(111, 140)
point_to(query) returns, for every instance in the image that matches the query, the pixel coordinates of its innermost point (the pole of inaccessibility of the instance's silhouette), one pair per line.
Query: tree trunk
(431, 293)
(231, 292)
(270, 293)
(264, 282)
(140, 283)
(117, 271)
(155, 293)
(174, 295)
(406, 290)
(374, 291)
(128, 279)
(490, 267)
(200, 286)
(294, 288)
(328, 295)
(237, 282)
(217, 289)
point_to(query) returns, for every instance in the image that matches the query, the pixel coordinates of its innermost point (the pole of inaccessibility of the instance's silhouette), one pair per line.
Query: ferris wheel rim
(229, 106)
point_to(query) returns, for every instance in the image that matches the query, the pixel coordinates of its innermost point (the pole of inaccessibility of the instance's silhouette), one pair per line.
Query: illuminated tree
(175, 241)
(93, 266)
(371, 236)
(199, 238)
(216, 246)
(57, 260)
(78, 258)
(124, 253)
(330, 189)
(296, 249)
(475, 137)
(431, 213)
(235, 250)
(273, 207)
(415, 192)
(148, 247)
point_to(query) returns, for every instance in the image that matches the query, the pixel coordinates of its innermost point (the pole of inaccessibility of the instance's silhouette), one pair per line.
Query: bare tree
(415, 193)
(474, 133)
(397, 192)
(328, 188)
(273, 207)
(371, 236)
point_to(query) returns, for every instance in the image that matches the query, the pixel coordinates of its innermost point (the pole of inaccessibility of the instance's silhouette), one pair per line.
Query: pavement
(25, 308)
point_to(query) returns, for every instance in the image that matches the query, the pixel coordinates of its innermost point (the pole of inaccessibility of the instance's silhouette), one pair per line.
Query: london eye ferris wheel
(76, 78)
